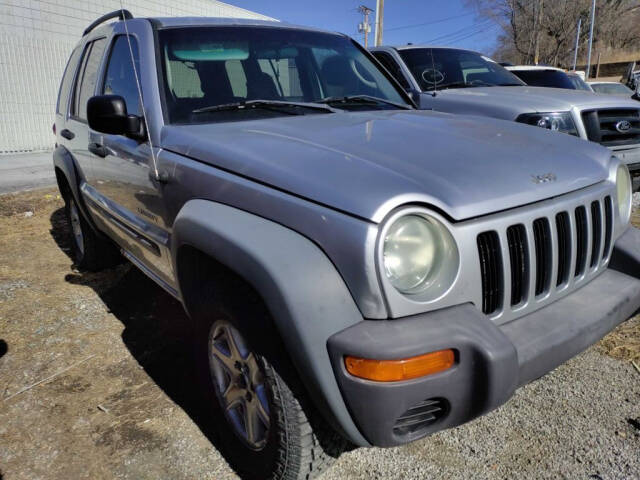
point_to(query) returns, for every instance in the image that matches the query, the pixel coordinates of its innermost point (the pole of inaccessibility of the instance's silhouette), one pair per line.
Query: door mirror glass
(108, 114)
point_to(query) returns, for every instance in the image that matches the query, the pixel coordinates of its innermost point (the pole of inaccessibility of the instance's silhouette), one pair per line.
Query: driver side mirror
(108, 114)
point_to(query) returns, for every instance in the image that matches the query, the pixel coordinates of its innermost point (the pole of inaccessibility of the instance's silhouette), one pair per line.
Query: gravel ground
(95, 384)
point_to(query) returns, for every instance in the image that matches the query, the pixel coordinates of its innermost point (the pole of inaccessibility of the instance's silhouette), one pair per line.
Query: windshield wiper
(460, 85)
(362, 100)
(278, 105)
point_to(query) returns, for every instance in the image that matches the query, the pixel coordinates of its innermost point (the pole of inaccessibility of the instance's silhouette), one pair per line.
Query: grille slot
(545, 256)
(596, 232)
(564, 247)
(491, 271)
(601, 126)
(581, 240)
(420, 416)
(542, 240)
(518, 255)
(608, 226)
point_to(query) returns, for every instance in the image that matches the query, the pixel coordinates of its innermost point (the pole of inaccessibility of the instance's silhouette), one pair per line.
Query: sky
(437, 22)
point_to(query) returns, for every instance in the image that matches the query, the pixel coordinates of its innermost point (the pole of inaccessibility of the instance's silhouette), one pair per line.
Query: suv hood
(525, 99)
(368, 163)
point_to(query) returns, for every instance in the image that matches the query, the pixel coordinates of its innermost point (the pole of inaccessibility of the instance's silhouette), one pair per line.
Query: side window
(87, 76)
(67, 79)
(120, 77)
(284, 74)
(237, 78)
(389, 63)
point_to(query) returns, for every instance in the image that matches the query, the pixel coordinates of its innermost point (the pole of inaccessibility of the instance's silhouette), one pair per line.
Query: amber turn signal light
(402, 369)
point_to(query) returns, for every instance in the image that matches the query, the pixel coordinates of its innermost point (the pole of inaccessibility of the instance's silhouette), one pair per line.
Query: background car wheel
(266, 427)
(89, 251)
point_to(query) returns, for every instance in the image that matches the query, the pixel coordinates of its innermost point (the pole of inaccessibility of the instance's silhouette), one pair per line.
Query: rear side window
(67, 79)
(87, 76)
(120, 77)
(393, 68)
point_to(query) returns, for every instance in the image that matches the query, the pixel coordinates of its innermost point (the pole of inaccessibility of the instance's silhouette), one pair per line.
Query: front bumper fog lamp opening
(401, 369)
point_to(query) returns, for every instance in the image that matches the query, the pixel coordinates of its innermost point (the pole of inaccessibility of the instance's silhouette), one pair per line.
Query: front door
(123, 184)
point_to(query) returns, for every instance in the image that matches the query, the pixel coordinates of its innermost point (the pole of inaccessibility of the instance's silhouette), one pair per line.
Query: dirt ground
(95, 383)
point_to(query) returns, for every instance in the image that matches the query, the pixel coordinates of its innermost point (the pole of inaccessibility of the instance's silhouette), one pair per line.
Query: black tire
(298, 444)
(90, 252)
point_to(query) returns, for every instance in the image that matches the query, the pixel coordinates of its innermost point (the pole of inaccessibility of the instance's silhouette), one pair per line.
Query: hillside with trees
(546, 29)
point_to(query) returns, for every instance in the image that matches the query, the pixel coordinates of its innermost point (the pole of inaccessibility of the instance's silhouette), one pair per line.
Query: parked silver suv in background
(356, 271)
(462, 81)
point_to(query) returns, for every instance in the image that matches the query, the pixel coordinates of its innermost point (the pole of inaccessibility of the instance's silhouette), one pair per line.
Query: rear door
(84, 88)
(64, 135)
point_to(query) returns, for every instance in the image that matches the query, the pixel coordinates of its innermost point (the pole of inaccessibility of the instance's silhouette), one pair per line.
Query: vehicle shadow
(155, 328)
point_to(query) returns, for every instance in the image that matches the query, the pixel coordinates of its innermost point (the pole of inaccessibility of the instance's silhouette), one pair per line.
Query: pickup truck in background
(463, 81)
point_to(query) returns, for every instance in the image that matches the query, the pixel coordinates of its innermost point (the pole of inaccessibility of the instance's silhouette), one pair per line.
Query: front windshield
(578, 83)
(204, 67)
(612, 89)
(545, 78)
(452, 68)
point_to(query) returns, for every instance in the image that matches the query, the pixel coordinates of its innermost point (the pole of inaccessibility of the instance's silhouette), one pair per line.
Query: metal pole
(593, 20)
(575, 54)
(379, 22)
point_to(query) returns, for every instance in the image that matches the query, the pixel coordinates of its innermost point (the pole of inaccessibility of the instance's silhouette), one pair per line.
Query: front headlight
(419, 255)
(556, 121)
(624, 193)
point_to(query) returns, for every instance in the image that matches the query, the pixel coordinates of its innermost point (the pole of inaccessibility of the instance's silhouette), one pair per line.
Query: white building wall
(36, 39)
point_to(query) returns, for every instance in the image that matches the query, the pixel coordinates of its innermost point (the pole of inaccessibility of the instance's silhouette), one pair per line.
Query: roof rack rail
(122, 14)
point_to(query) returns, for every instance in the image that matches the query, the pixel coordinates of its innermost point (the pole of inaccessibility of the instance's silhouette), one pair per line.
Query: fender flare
(301, 288)
(63, 160)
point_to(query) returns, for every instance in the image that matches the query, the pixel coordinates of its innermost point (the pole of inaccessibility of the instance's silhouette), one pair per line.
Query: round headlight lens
(623, 184)
(417, 251)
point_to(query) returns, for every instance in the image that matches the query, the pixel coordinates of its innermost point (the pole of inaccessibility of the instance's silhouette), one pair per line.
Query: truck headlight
(624, 193)
(419, 254)
(556, 121)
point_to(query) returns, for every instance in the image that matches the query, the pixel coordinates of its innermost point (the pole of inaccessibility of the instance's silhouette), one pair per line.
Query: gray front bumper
(491, 360)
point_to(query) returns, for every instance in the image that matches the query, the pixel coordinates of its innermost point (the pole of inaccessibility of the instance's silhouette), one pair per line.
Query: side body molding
(303, 291)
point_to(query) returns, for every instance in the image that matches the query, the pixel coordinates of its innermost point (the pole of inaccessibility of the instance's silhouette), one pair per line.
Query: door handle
(98, 150)
(68, 134)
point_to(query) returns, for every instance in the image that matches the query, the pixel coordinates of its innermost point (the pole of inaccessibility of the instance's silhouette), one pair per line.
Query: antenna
(433, 68)
(156, 174)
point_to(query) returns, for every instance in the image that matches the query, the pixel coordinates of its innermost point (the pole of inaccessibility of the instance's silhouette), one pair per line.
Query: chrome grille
(538, 260)
(600, 126)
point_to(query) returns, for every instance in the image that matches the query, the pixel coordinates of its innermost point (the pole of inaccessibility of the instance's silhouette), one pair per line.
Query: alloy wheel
(240, 384)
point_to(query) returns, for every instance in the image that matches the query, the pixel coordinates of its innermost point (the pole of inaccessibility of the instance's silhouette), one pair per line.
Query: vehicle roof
(224, 21)
(171, 22)
(533, 67)
(597, 82)
(417, 47)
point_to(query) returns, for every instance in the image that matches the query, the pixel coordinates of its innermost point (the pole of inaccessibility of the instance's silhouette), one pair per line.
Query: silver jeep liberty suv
(356, 272)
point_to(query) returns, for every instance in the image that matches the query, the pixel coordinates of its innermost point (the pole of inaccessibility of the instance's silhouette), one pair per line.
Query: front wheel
(90, 252)
(266, 430)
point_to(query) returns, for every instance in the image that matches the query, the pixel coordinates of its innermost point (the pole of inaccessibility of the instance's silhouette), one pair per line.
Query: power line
(463, 31)
(415, 25)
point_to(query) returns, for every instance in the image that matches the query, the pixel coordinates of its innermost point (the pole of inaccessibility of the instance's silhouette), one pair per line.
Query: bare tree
(551, 27)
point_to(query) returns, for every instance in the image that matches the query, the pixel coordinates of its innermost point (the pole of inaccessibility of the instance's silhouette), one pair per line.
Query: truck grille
(539, 256)
(601, 126)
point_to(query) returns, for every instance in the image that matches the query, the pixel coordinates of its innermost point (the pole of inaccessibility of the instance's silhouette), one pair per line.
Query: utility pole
(365, 27)
(575, 54)
(536, 54)
(379, 22)
(593, 21)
